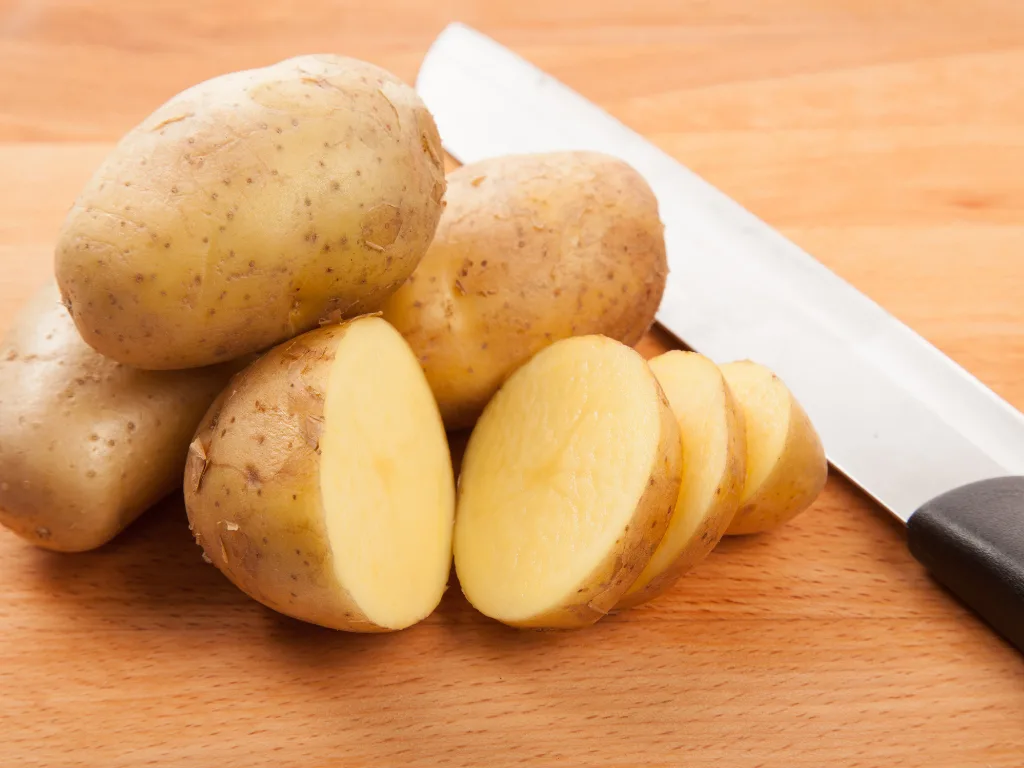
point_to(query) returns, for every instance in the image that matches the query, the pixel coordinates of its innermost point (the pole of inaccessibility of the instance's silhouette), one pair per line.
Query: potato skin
(87, 444)
(793, 483)
(256, 449)
(530, 249)
(250, 208)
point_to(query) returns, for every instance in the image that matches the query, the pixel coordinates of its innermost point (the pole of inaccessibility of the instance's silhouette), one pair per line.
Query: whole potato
(320, 482)
(250, 208)
(86, 443)
(530, 249)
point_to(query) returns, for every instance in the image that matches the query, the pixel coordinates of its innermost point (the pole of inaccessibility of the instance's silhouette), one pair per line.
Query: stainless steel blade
(897, 416)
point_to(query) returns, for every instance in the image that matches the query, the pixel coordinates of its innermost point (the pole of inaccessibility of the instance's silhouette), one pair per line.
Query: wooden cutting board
(886, 137)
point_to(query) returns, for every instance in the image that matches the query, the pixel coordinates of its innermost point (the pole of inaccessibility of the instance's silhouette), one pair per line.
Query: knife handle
(971, 539)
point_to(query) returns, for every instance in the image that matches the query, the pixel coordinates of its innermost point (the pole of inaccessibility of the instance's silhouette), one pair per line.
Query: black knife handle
(972, 541)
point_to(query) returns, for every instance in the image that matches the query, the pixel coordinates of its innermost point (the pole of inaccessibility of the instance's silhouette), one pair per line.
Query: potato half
(321, 484)
(714, 469)
(530, 249)
(250, 208)
(567, 486)
(87, 444)
(786, 465)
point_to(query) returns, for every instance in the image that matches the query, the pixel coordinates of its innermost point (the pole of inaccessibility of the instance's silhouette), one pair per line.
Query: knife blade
(919, 434)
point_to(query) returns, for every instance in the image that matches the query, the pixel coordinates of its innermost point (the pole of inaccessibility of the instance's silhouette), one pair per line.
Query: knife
(918, 433)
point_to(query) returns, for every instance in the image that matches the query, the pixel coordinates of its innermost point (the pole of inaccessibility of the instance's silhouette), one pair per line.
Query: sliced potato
(567, 486)
(321, 484)
(714, 469)
(786, 465)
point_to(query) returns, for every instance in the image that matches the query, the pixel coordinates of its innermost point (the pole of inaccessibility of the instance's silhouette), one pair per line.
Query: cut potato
(714, 469)
(321, 484)
(567, 486)
(786, 465)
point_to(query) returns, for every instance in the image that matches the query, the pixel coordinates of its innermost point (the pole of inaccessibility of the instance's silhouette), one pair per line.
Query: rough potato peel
(86, 443)
(250, 208)
(530, 249)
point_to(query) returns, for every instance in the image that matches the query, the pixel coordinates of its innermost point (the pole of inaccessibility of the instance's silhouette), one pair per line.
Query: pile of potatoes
(271, 294)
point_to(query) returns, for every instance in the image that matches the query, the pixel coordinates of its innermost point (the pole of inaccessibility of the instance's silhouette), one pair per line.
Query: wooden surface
(886, 137)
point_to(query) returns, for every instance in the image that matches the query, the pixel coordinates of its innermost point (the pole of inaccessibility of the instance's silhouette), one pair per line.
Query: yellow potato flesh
(786, 465)
(766, 400)
(554, 477)
(320, 481)
(714, 460)
(385, 479)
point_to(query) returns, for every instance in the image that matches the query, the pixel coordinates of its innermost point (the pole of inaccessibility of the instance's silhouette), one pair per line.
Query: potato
(321, 484)
(786, 466)
(714, 469)
(567, 486)
(530, 249)
(250, 208)
(86, 444)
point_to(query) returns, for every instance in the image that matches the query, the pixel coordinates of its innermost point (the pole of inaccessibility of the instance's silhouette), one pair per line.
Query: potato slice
(714, 469)
(567, 486)
(321, 484)
(786, 466)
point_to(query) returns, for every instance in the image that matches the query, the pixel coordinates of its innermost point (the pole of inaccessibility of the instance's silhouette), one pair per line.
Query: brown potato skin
(530, 249)
(603, 589)
(252, 486)
(87, 444)
(250, 208)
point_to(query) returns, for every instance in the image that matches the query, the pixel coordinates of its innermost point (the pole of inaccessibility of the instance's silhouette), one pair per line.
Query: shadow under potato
(153, 571)
(153, 576)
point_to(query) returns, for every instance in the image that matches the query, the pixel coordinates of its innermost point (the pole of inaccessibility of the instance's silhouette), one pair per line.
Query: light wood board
(886, 137)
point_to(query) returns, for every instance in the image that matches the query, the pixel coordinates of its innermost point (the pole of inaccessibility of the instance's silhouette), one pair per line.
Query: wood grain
(886, 137)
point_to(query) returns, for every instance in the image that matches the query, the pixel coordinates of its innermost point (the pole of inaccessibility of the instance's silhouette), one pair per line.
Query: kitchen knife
(918, 433)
